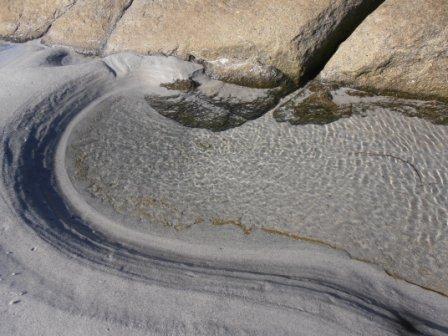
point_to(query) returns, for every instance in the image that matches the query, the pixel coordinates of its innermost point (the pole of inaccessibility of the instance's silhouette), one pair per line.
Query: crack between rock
(56, 17)
(316, 56)
(114, 26)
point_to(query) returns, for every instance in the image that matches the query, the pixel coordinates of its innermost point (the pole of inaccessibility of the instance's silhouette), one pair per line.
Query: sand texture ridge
(140, 196)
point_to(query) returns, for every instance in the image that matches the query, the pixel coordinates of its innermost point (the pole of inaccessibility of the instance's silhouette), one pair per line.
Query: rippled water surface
(373, 184)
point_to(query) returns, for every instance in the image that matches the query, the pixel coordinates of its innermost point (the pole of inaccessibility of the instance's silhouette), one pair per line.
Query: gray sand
(119, 220)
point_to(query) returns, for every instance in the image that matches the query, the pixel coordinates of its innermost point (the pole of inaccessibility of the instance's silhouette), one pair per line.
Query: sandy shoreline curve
(74, 259)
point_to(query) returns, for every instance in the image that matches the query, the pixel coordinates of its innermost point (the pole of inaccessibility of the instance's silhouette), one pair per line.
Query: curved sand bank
(77, 253)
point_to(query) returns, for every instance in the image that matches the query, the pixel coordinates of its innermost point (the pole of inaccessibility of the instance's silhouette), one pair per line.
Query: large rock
(259, 43)
(402, 46)
(294, 36)
(22, 20)
(87, 25)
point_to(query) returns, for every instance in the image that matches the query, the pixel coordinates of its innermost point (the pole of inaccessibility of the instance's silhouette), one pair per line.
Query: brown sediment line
(397, 277)
(296, 236)
(234, 222)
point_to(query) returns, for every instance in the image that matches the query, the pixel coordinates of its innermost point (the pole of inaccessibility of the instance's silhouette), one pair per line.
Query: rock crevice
(339, 24)
(25, 20)
(87, 26)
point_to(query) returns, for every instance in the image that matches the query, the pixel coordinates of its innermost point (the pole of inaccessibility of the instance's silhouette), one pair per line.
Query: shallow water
(372, 185)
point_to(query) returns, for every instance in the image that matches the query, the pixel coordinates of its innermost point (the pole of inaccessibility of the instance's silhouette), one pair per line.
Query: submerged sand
(126, 220)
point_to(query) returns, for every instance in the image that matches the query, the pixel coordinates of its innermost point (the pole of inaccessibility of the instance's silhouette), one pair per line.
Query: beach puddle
(350, 170)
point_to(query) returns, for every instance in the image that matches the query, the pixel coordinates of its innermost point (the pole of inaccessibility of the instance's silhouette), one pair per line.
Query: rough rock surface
(22, 20)
(293, 36)
(87, 25)
(402, 46)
